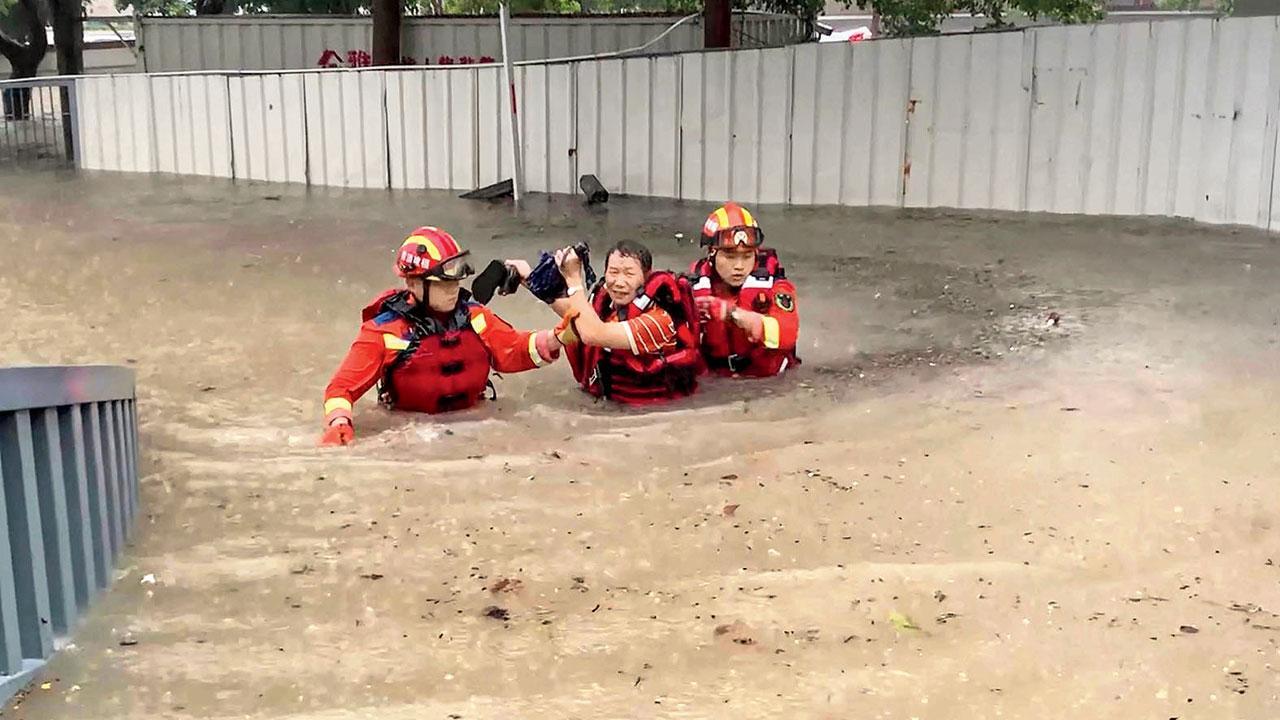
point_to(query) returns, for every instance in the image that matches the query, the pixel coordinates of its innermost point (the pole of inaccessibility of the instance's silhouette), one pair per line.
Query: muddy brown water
(956, 507)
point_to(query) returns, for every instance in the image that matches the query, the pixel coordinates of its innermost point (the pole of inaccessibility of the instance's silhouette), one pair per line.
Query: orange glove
(714, 308)
(339, 433)
(564, 329)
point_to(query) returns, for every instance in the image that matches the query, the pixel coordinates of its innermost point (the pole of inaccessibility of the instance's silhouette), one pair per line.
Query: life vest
(633, 379)
(440, 366)
(725, 346)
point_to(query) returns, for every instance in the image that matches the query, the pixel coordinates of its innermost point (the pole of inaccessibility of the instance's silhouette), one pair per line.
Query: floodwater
(957, 507)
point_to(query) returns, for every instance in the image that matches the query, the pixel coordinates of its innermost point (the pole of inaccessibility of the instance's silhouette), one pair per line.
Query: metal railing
(69, 496)
(38, 125)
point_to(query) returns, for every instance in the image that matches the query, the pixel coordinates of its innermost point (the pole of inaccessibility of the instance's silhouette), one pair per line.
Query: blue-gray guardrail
(69, 496)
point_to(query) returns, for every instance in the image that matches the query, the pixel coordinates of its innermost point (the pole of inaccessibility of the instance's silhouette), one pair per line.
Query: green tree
(23, 38)
(897, 17)
(178, 8)
(924, 17)
(167, 8)
(1224, 7)
(471, 7)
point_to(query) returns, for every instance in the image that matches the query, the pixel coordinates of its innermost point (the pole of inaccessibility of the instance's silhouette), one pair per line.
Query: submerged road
(1027, 469)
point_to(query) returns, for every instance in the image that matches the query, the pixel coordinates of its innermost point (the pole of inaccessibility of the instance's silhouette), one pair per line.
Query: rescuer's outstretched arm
(359, 370)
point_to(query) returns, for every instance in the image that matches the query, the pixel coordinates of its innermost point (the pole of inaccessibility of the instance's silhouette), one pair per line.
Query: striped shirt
(651, 332)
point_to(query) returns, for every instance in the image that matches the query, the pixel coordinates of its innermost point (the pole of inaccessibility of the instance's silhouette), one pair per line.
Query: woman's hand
(570, 266)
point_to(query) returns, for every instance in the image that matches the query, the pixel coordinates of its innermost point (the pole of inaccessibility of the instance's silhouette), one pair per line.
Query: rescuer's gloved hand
(714, 308)
(339, 433)
(564, 329)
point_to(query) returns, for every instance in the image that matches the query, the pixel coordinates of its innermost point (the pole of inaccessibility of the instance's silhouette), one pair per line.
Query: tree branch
(9, 47)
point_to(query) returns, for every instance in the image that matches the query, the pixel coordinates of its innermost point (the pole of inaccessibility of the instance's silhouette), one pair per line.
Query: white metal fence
(1164, 118)
(298, 42)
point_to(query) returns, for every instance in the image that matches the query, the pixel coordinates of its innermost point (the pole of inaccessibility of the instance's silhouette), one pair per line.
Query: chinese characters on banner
(360, 58)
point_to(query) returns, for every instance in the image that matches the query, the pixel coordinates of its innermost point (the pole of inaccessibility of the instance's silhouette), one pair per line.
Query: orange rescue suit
(727, 348)
(426, 361)
(633, 378)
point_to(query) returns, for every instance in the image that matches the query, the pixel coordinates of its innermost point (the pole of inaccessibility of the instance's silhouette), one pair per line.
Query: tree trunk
(387, 15)
(68, 36)
(717, 24)
(216, 7)
(24, 59)
(24, 54)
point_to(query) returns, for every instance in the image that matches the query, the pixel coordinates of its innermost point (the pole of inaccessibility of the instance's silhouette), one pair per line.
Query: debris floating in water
(508, 585)
(902, 622)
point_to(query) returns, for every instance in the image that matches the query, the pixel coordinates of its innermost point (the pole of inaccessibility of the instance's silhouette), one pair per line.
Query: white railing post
(508, 79)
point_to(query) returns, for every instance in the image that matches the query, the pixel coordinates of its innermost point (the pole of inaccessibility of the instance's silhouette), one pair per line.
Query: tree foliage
(897, 17)
(173, 8)
(168, 8)
(923, 17)
(1224, 7)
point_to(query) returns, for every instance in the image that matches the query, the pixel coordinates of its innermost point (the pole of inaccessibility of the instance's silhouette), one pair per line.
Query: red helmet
(432, 254)
(731, 226)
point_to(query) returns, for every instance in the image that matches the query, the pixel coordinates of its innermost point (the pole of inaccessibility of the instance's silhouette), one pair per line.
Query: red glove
(339, 433)
(714, 308)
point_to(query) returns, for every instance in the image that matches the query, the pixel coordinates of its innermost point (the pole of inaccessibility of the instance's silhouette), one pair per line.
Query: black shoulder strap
(424, 326)
(598, 293)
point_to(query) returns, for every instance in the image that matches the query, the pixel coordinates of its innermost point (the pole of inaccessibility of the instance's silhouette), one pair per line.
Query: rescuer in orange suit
(750, 318)
(427, 346)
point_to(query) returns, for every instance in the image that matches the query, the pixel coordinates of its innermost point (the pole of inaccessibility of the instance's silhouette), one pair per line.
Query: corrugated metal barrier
(257, 42)
(69, 496)
(1176, 118)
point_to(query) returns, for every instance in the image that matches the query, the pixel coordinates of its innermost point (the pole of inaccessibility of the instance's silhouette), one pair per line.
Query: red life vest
(724, 345)
(445, 365)
(633, 379)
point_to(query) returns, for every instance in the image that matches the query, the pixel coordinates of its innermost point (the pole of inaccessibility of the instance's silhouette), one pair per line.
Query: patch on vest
(785, 301)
